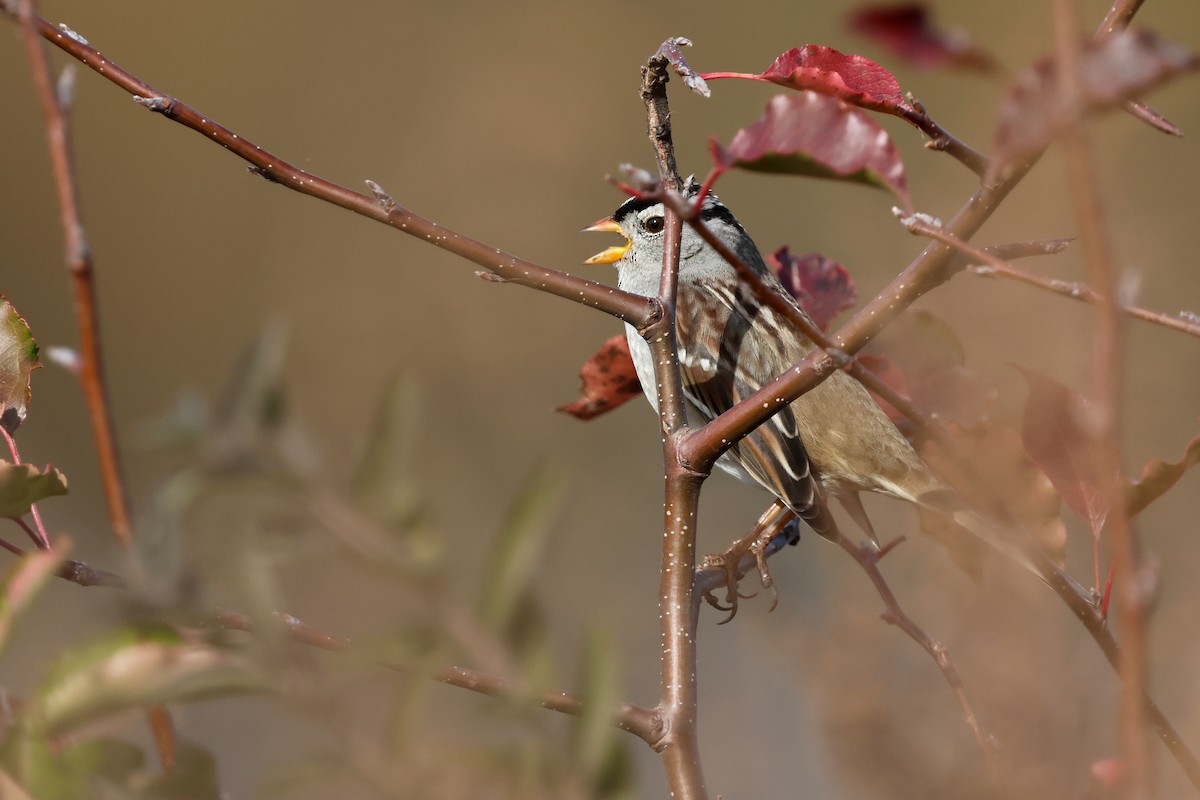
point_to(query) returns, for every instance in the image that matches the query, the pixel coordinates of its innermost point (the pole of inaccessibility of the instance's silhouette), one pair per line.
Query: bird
(833, 442)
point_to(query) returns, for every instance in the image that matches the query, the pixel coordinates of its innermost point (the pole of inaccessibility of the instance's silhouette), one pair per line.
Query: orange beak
(614, 253)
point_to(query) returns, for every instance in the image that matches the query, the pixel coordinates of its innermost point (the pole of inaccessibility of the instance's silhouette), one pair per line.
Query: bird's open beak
(614, 253)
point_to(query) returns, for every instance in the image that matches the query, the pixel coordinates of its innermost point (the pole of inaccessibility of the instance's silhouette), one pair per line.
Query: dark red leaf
(908, 31)
(608, 380)
(1111, 70)
(1059, 438)
(857, 80)
(821, 286)
(1158, 476)
(811, 134)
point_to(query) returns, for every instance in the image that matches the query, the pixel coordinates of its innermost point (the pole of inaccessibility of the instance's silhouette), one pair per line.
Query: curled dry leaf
(1158, 476)
(821, 286)
(669, 50)
(18, 358)
(608, 379)
(1111, 70)
(820, 136)
(22, 485)
(908, 31)
(988, 466)
(855, 79)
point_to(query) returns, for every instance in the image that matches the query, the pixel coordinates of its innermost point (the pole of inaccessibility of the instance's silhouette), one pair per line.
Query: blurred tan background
(501, 121)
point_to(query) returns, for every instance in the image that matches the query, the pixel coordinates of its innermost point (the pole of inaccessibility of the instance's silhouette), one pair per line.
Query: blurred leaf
(821, 286)
(135, 667)
(1158, 476)
(518, 552)
(1111, 69)
(596, 737)
(24, 581)
(819, 136)
(1059, 437)
(383, 485)
(908, 31)
(18, 358)
(252, 405)
(857, 80)
(920, 355)
(193, 775)
(22, 485)
(608, 379)
(990, 470)
(9, 789)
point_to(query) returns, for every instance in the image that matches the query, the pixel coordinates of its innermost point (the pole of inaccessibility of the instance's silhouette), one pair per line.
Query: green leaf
(518, 551)
(22, 485)
(21, 586)
(136, 667)
(597, 745)
(18, 358)
(193, 775)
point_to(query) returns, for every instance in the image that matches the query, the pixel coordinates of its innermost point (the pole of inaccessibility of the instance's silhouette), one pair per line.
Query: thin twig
(623, 305)
(999, 268)
(1109, 354)
(638, 721)
(79, 265)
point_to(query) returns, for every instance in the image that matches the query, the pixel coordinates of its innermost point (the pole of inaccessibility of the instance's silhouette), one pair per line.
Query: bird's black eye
(654, 224)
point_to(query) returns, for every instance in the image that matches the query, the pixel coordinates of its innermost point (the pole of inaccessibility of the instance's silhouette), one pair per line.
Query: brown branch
(628, 717)
(942, 140)
(78, 255)
(623, 305)
(1109, 354)
(996, 267)
(658, 115)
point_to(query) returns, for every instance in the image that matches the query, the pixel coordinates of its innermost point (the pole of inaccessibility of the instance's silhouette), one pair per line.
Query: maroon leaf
(608, 380)
(1059, 438)
(821, 286)
(1111, 70)
(857, 80)
(1158, 476)
(811, 134)
(908, 31)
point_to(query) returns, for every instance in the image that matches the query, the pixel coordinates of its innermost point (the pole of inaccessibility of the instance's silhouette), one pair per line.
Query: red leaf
(908, 31)
(1111, 70)
(1109, 772)
(608, 379)
(1060, 440)
(821, 286)
(1158, 476)
(810, 134)
(855, 79)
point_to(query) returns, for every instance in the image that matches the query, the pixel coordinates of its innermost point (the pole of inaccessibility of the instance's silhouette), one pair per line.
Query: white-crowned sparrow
(832, 441)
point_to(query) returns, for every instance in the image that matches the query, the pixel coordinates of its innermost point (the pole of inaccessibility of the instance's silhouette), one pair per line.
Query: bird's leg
(776, 524)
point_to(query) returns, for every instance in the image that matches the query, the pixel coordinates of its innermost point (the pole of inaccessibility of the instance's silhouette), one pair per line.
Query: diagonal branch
(630, 307)
(999, 268)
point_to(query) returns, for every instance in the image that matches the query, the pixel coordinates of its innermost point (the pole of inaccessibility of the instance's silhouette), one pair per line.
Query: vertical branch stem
(79, 265)
(1108, 368)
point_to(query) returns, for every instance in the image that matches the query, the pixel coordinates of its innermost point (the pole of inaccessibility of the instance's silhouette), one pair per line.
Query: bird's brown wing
(724, 357)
